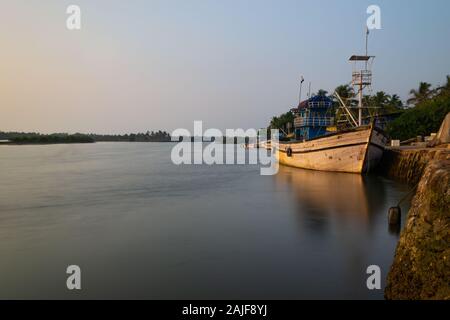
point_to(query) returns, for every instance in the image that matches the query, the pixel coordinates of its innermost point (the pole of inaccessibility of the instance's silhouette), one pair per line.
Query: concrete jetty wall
(421, 267)
(407, 164)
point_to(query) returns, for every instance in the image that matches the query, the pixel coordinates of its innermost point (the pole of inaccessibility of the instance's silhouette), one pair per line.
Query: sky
(148, 65)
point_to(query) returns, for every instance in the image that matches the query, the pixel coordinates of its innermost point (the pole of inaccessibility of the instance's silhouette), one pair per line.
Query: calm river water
(141, 227)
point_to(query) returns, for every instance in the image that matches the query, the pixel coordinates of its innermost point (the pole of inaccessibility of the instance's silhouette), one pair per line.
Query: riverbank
(421, 267)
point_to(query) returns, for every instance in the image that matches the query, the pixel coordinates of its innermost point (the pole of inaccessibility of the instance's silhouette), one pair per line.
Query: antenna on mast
(301, 85)
(367, 43)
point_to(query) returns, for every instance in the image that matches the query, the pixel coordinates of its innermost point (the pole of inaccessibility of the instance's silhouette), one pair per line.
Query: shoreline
(55, 143)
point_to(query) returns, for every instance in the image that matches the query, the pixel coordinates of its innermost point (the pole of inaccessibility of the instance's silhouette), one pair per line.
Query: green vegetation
(153, 136)
(282, 122)
(37, 138)
(345, 91)
(382, 102)
(426, 116)
(422, 94)
(385, 103)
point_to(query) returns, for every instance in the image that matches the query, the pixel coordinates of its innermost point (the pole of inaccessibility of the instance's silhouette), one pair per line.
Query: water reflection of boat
(334, 194)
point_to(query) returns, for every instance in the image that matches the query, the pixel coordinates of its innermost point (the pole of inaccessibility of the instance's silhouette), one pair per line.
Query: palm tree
(282, 121)
(395, 102)
(380, 99)
(345, 91)
(275, 123)
(385, 103)
(423, 93)
(447, 85)
(445, 89)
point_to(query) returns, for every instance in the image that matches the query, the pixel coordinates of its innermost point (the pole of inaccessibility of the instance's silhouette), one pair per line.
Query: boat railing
(319, 104)
(314, 122)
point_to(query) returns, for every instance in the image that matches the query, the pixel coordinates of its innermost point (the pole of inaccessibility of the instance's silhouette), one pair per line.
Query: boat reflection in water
(340, 198)
(342, 229)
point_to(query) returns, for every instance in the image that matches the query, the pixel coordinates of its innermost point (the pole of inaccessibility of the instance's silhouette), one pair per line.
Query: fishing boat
(357, 150)
(345, 142)
(258, 145)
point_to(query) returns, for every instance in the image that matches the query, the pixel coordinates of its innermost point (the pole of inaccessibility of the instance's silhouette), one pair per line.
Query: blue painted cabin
(312, 117)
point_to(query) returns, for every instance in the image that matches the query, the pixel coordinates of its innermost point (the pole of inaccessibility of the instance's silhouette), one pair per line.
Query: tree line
(33, 137)
(149, 136)
(37, 138)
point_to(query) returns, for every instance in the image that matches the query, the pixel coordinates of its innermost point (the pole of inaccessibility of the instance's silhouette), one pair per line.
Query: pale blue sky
(146, 65)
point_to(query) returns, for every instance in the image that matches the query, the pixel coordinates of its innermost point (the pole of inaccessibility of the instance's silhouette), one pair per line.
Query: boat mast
(361, 77)
(300, 94)
(360, 100)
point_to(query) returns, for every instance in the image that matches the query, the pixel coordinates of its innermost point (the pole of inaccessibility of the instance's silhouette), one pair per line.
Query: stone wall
(421, 267)
(408, 164)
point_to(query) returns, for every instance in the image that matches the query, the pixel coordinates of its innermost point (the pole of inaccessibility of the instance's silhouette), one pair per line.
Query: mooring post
(394, 216)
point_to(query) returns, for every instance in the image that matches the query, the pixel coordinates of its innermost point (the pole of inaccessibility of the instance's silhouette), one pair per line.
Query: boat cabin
(312, 117)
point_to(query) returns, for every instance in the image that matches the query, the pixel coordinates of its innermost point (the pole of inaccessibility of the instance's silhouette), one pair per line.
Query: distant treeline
(153, 136)
(38, 138)
(149, 136)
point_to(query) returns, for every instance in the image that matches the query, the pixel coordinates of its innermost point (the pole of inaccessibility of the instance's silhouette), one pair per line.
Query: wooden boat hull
(357, 150)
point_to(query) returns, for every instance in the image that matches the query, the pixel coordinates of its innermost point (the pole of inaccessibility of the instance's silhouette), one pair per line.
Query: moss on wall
(421, 268)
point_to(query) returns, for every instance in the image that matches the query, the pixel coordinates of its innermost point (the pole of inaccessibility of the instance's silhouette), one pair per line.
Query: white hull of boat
(357, 150)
